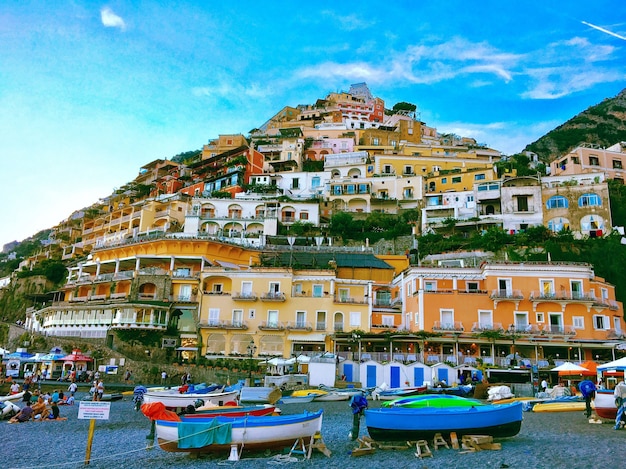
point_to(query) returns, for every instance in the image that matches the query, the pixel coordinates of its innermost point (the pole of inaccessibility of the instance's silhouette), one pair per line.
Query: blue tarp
(196, 435)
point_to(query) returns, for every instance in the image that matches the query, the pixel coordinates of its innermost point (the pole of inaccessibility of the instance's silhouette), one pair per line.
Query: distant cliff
(603, 124)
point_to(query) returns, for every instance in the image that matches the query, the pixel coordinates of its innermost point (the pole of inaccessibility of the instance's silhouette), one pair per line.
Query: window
(521, 321)
(318, 291)
(251, 314)
(214, 316)
(387, 321)
(444, 180)
(363, 189)
(558, 224)
(578, 322)
(217, 289)
(350, 189)
(274, 287)
(430, 286)
(408, 193)
(447, 319)
(485, 320)
(344, 294)
(355, 319)
(540, 318)
(558, 201)
(295, 183)
(375, 141)
(387, 169)
(300, 319)
(593, 160)
(337, 190)
(304, 216)
(577, 289)
(456, 179)
(522, 203)
(238, 317)
(472, 286)
(479, 177)
(246, 289)
(272, 318)
(589, 200)
(315, 182)
(408, 170)
(547, 288)
(600, 322)
(617, 164)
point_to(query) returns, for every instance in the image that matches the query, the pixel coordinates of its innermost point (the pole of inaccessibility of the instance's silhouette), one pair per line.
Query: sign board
(169, 343)
(96, 410)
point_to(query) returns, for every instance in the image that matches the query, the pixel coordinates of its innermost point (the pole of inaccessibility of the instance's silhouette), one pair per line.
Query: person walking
(72, 388)
(163, 377)
(588, 390)
(620, 401)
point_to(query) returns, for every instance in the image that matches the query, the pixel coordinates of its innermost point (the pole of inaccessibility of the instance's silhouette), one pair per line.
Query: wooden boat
(259, 395)
(604, 404)
(402, 423)
(436, 400)
(221, 433)
(391, 394)
(233, 411)
(296, 399)
(107, 396)
(322, 395)
(172, 399)
(564, 406)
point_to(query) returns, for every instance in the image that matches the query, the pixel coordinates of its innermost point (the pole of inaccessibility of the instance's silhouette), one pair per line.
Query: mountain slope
(603, 124)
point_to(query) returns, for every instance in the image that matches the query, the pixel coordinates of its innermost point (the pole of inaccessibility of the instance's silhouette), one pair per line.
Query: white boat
(12, 397)
(197, 435)
(333, 396)
(172, 399)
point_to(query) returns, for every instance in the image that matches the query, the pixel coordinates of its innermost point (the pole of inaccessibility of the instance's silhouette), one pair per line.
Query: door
(371, 376)
(418, 376)
(348, 371)
(395, 376)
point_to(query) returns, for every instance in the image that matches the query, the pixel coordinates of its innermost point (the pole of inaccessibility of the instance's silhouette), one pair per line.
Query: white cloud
(111, 20)
(348, 22)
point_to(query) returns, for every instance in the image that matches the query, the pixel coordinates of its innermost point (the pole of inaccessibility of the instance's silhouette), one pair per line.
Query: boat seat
(423, 450)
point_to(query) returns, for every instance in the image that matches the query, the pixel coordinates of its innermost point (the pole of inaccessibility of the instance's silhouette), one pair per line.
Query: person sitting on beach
(53, 413)
(559, 391)
(15, 388)
(39, 409)
(55, 396)
(23, 415)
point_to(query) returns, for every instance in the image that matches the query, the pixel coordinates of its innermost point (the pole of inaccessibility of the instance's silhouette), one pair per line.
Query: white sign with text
(94, 410)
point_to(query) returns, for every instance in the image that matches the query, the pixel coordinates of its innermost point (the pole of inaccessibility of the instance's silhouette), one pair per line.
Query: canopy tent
(616, 365)
(592, 368)
(19, 356)
(77, 356)
(569, 368)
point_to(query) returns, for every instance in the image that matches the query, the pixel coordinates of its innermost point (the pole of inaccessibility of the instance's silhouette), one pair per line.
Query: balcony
(212, 324)
(338, 327)
(271, 326)
(119, 296)
(525, 329)
(506, 295)
(146, 296)
(563, 295)
(299, 326)
(555, 329)
(487, 327)
(320, 326)
(384, 327)
(241, 296)
(456, 326)
(273, 296)
(350, 300)
(613, 334)
(184, 298)
(241, 325)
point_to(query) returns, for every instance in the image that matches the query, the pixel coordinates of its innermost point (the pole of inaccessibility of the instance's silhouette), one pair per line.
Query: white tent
(616, 365)
(569, 366)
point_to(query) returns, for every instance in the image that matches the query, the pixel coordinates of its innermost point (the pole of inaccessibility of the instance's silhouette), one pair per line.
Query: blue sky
(90, 92)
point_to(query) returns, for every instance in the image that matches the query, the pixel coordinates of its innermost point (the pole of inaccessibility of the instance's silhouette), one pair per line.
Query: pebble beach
(546, 440)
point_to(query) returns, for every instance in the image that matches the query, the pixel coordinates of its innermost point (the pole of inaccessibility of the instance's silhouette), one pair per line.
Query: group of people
(41, 407)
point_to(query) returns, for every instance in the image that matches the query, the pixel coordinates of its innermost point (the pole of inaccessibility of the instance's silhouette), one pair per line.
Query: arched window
(558, 224)
(589, 200)
(558, 201)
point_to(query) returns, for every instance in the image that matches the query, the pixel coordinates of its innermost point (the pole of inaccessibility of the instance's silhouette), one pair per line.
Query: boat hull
(402, 424)
(175, 400)
(604, 404)
(252, 432)
(230, 411)
(439, 400)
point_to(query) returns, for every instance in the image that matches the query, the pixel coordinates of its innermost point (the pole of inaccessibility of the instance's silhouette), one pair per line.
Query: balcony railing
(456, 326)
(273, 296)
(563, 295)
(320, 326)
(299, 326)
(234, 325)
(247, 296)
(486, 327)
(506, 295)
(338, 327)
(350, 300)
(271, 326)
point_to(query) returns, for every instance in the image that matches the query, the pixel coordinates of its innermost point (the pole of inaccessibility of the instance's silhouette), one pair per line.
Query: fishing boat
(604, 404)
(322, 395)
(296, 399)
(12, 397)
(259, 395)
(437, 400)
(233, 411)
(173, 399)
(399, 423)
(195, 435)
(383, 393)
(560, 406)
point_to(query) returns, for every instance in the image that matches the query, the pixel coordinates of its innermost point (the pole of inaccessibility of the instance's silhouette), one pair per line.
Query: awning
(228, 265)
(187, 349)
(307, 338)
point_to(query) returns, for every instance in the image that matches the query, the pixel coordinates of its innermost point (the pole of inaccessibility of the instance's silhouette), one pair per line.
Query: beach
(546, 440)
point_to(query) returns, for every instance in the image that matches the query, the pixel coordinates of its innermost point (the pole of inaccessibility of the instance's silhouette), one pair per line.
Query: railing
(300, 326)
(234, 325)
(271, 325)
(241, 296)
(320, 326)
(473, 292)
(117, 296)
(345, 299)
(338, 327)
(439, 290)
(485, 326)
(563, 295)
(185, 298)
(506, 295)
(146, 296)
(456, 326)
(273, 296)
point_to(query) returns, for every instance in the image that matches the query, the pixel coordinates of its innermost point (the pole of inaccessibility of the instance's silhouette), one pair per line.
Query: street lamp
(251, 348)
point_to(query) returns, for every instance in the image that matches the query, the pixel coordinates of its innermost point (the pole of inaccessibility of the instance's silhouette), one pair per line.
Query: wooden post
(92, 428)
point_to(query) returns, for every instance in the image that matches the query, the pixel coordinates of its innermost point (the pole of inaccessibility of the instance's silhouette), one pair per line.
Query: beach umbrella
(569, 368)
(616, 365)
(592, 368)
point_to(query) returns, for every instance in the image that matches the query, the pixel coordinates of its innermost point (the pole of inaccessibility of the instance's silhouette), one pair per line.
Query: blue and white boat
(399, 423)
(198, 435)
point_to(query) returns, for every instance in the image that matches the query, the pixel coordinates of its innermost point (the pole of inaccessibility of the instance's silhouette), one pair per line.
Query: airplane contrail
(604, 30)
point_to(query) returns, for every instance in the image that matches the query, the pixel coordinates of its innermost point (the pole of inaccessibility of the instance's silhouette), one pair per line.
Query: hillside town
(229, 251)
